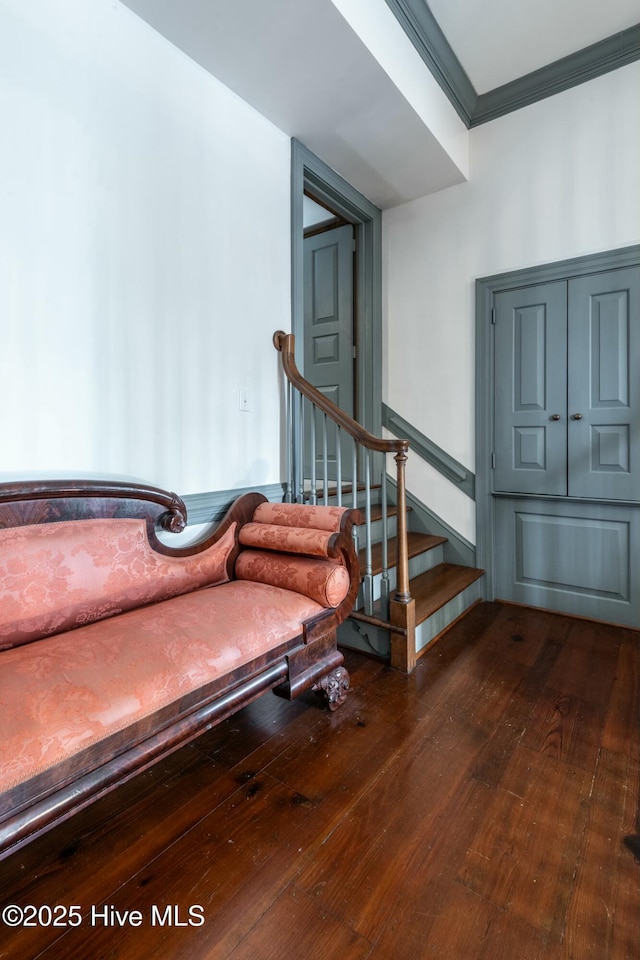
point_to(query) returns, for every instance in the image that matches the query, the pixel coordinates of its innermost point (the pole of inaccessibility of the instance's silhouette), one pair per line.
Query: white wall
(555, 180)
(144, 256)
(378, 28)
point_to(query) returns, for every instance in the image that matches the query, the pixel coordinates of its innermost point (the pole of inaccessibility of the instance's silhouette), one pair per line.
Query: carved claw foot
(333, 688)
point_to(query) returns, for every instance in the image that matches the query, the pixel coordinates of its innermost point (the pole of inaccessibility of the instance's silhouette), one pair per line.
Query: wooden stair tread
(431, 590)
(417, 543)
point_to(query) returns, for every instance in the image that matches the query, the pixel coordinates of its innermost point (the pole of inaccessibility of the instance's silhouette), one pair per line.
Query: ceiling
(304, 66)
(497, 41)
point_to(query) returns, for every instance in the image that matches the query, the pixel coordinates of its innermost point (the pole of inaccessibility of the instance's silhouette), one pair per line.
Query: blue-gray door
(566, 479)
(567, 390)
(329, 336)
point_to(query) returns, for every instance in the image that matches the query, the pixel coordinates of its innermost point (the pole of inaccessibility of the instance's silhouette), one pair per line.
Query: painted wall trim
(486, 288)
(310, 172)
(421, 27)
(586, 64)
(210, 506)
(615, 259)
(445, 464)
(423, 30)
(457, 549)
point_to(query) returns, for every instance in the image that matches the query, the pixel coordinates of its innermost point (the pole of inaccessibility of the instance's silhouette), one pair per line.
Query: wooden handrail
(285, 343)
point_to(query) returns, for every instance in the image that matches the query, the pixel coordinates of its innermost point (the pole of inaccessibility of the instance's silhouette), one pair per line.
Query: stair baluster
(313, 495)
(385, 590)
(339, 464)
(368, 576)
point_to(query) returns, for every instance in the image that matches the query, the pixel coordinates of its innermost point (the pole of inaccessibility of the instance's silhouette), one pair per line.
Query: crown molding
(422, 28)
(593, 61)
(586, 64)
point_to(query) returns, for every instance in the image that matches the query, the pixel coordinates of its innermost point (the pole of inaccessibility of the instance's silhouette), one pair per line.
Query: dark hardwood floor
(485, 807)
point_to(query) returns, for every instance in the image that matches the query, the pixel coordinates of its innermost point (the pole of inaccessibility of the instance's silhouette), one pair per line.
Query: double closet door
(566, 465)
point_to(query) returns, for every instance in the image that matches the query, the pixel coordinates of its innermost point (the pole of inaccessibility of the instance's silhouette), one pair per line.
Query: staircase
(442, 590)
(411, 592)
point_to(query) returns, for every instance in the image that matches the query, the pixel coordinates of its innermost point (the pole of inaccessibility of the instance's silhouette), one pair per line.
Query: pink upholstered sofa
(115, 648)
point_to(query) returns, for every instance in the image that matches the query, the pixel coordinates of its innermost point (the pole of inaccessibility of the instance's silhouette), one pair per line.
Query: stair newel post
(403, 606)
(402, 592)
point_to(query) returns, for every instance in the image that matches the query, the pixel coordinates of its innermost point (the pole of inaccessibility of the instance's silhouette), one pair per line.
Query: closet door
(530, 405)
(603, 385)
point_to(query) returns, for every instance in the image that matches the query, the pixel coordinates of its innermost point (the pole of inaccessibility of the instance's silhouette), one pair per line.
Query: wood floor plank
(469, 927)
(521, 633)
(623, 714)
(525, 853)
(624, 936)
(297, 927)
(389, 831)
(596, 888)
(587, 664)
(121, 833)
(234, 865)
(566, 727)
(423, 892)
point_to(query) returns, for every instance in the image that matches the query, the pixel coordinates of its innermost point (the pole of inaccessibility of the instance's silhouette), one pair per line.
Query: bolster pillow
(321, 580)
(318, 517)
(270, 536)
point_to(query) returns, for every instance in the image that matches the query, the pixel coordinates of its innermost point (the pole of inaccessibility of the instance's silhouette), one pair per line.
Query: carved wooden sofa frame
(116, 648)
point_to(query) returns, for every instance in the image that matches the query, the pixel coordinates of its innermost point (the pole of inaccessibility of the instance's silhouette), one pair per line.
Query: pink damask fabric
(56, 576)
(325, 582)
(272, 536)
(300, 515)
(64, 693)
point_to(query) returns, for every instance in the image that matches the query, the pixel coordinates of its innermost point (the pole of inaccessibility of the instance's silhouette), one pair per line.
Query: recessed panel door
(328, 336)
(604, 385)
(530, 407)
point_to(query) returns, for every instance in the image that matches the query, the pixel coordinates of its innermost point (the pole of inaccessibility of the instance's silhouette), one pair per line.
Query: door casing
(310, 173)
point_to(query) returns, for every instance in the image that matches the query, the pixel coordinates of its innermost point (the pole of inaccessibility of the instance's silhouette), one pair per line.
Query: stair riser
(376, 530)
(347, 499)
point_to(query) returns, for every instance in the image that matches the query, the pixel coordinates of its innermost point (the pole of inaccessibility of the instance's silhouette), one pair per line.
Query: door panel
(573, 557)
(328, 336)
(603, 391)
(530, 390)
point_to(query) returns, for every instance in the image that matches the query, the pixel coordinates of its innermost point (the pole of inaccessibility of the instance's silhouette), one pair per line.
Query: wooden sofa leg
(333, 688)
